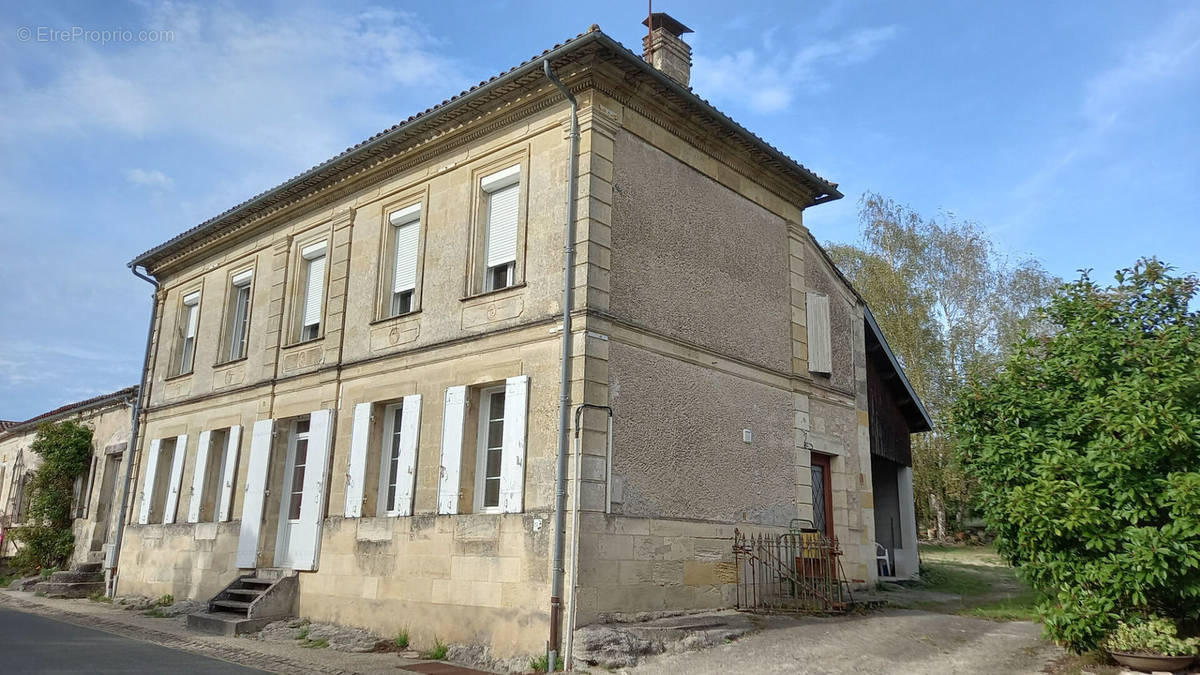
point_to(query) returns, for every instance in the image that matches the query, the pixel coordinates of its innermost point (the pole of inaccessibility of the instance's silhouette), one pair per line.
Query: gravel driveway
(896, 641)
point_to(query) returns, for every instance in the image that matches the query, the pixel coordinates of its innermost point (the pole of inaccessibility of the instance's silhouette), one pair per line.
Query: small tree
(46, 540)
(1086, 447)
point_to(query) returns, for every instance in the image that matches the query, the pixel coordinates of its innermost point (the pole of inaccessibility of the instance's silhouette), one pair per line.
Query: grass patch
(165, 601)
(99, 596)
(1017, 608)
(541, 664)
(401, 640)
(952, 579)
(157, 613)
(303, 634)
(319, 643)
(5, 582)
(48, 571)
(439, 651)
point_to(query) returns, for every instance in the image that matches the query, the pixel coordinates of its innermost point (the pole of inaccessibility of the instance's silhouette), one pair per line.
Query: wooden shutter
(406, 472)
(147, 484)
(360, 437)
(305, 539)
(453, 416)
(512, 462)
(256, 488)
(232, 443)
(503, 191)
(176, 480)
(820, 354)
(408, 230)
(198, 477)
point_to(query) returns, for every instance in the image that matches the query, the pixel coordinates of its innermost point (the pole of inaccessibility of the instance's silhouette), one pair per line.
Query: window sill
(179, 376)
(396, 319)
(304, 343)
(499, 291)
(233, 362)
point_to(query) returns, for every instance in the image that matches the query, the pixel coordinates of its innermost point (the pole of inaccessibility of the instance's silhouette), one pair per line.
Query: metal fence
(798, 571)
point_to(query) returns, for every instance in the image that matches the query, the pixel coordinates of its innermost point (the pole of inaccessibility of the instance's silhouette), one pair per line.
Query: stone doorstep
(227, 623)
(70, 589)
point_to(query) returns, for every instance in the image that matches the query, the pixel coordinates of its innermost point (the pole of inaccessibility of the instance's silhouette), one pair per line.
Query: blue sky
(1069, 130)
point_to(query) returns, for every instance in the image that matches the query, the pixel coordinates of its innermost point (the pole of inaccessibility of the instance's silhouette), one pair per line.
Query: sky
(1069, 131)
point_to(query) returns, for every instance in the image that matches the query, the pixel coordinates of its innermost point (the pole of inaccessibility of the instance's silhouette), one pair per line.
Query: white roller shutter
(453, 416)
(820, 354)
(503, 191)
(256, 488)
(148, 483)
(314, 289)
(406, 472)
(198, 477)
(305, 538)
(408, 232)
(176, 480)
(512, 462)
(233, 442)
(356, 473)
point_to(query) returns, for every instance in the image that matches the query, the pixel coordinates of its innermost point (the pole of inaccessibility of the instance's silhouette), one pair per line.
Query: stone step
(88, 568)
(73, 576)
(227, 623)
(246, 592)
(258, 581)
(80, 589)
(232, 604)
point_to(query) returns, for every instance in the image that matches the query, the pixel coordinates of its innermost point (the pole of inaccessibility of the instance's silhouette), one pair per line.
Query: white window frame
(390, 449)
(402, 283)
(238, 332)
(312, 320)
(190, 323)
(491, 185)
(481, 452)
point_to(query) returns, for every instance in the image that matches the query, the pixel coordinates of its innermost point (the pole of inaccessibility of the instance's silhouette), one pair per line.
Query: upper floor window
(188, 322)
(406, 237)
(237, 331)
(501, 196)
(314, 290)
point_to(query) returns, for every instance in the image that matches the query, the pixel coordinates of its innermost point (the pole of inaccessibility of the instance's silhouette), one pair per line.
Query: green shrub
(165, 601)
(1150, 636)
(5, 581)
(46, 540)
(319, 643)
(541, 664)
(1086, 446)
(439, 651)
(401, 640)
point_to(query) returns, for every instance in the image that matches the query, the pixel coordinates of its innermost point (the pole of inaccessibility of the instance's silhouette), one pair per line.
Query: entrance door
(288, 541)
(822, 494)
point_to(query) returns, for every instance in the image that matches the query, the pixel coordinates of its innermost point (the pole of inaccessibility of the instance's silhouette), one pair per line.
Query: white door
(293, 492)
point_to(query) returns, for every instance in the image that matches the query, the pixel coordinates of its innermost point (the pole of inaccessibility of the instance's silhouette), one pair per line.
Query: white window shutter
(147, 485)
(198, 477)
(176, 479)
(306, 534)
(502, 211)
(406, 472)
(453, 416)
(314, 291)
(357, 471)
(232, 444)
(256, 488)
(820, 353)
(512, 462)
(404, 274)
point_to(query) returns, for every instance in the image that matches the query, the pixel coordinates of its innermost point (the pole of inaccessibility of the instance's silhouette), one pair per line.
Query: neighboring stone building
(96, 493)
(356, 373)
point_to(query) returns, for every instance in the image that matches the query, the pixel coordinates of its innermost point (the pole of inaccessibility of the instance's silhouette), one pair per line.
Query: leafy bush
(541, 664)
(1086, 446)
(439, 651)
(1153, 636)
(165, 600)
(46, 539)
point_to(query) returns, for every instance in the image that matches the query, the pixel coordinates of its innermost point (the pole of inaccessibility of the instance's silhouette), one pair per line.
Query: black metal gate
(798, 571)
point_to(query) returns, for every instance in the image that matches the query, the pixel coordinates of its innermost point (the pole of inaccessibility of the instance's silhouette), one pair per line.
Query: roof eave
(887, 350)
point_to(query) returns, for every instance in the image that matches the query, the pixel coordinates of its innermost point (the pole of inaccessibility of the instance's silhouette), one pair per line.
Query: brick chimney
(665, 49)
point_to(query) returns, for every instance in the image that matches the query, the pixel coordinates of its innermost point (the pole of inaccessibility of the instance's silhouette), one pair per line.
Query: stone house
(355, 374)
(96, 493)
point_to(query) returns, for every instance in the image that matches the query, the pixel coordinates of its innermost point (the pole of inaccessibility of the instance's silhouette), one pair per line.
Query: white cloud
(148, 178)
(768, 78)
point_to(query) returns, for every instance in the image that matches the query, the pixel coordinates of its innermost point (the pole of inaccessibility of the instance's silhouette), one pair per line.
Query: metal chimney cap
(666, 21)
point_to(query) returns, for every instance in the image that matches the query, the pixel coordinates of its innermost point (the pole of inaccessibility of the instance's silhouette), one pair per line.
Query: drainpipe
(133, 432)
(560, 494)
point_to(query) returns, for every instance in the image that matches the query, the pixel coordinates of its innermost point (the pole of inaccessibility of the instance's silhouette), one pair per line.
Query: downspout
(133, 433)
(560, 493)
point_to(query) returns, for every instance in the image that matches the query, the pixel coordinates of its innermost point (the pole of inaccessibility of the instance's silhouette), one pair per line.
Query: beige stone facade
(693, 270)
(97, 493)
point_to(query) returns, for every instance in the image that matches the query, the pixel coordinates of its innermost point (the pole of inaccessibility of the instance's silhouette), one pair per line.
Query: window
(189, 319)
(82, 492)
(490, 452)
(160, 482)
(501, 193)
(300, 459)
(314, 291)
(237, 332)
(389, 472)
(406, 237)
(214, 470)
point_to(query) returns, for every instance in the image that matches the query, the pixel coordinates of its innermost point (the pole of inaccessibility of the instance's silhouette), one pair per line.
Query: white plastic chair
(882, 556)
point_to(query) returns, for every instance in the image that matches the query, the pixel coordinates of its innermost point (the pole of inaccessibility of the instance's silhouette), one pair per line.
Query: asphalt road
(36, 644)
